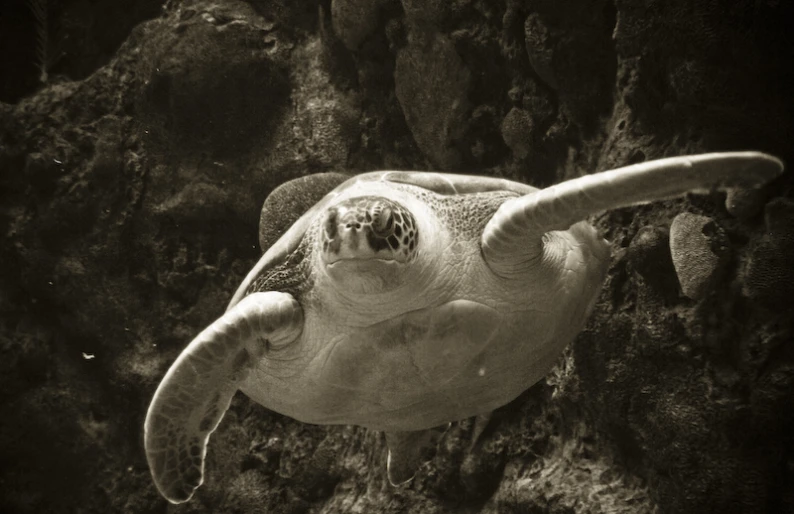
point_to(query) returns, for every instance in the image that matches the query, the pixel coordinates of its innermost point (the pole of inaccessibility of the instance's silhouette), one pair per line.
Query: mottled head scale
(368, 227)
(401, 301)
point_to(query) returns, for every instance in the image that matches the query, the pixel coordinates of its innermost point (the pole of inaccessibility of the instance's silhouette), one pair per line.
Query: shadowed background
(130, 187)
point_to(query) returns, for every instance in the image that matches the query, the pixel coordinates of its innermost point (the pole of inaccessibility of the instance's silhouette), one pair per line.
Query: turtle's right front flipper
(197, 390)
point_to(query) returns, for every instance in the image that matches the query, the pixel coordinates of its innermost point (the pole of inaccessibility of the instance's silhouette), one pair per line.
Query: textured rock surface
(77, 38)
(354, 20)
(129, 203)
(745, 203)
(769, 271)
(649, 256)
(432, 84)
(699, 251)
(517, 128)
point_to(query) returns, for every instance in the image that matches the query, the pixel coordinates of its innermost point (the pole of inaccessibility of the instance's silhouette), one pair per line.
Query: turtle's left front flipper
(515, 235)
(197, 390)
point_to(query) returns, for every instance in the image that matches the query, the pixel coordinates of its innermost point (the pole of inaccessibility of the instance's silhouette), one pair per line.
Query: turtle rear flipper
(408, 451)
(197, 390)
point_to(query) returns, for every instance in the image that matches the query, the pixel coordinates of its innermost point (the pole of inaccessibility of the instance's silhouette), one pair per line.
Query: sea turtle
(405, 300)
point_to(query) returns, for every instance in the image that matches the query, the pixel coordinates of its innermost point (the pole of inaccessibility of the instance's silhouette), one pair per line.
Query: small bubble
(481, 372)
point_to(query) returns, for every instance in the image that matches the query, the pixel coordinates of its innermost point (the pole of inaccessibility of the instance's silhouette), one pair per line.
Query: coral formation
(700, 253)
(769, 272)
(354, 20)
(517, 128)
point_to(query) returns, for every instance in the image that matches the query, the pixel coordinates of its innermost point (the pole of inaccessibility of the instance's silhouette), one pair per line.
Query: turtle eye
(383, 222)
(330, 224)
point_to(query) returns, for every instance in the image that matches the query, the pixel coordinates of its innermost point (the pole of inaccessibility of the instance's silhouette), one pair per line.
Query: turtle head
(368, 228)
(367, 243)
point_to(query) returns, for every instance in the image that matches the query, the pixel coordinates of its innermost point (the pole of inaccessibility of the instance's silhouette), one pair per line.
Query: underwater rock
(699, 249)
(768, 276)
(571, 51)
(212, 84)
(517, 129)
(744, 203)
(648, 250)
(540, 49)
(427, 12)
(64, 427)
(354, 20)
(431, 83)
(649, 256)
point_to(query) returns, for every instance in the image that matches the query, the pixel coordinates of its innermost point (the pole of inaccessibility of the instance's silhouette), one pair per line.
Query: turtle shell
(296, 194)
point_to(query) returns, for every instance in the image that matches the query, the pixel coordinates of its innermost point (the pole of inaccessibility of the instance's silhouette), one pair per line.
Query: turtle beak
(514, 235)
